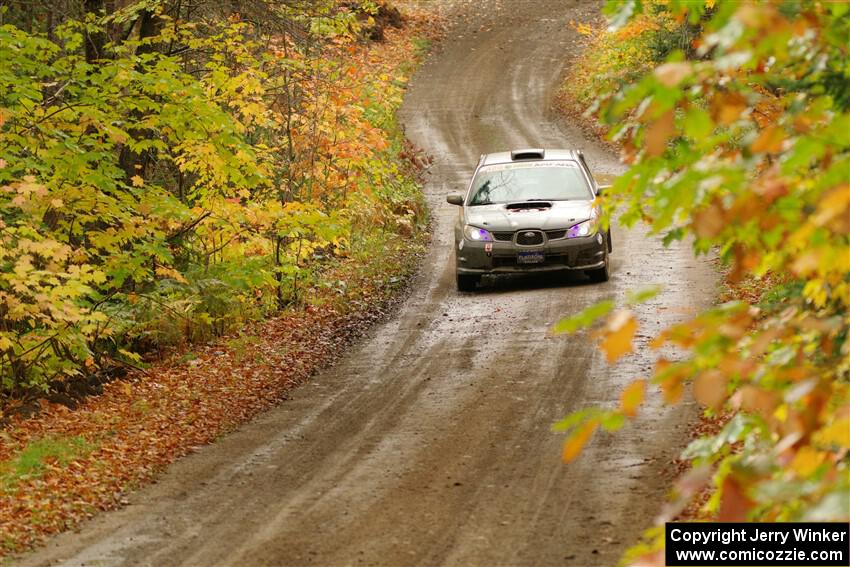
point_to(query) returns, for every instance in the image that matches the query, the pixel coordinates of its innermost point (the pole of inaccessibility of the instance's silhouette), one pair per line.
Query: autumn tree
(742, 147)
(170, 169)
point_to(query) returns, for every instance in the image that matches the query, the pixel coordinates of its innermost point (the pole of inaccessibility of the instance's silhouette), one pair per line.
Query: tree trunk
(97, 39)
(131, 162)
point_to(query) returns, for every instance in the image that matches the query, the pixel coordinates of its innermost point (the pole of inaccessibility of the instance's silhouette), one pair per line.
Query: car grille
(529, 237)
(509, 236)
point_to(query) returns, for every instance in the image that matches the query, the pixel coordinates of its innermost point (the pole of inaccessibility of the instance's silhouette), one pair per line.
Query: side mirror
(454, 199)
(602, 189)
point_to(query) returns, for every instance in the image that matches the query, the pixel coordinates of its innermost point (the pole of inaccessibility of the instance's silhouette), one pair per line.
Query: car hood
(501, 217)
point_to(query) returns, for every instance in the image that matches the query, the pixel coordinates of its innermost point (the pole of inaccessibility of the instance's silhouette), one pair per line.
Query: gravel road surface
(429, 443)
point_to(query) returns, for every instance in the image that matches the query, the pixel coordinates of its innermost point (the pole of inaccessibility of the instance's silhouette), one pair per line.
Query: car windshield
(537, 181)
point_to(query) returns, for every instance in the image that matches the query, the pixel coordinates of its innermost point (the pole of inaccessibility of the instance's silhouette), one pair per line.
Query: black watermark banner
(804, 544)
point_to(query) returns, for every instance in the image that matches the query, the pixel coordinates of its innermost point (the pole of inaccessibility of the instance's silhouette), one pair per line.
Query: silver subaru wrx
(530, 210)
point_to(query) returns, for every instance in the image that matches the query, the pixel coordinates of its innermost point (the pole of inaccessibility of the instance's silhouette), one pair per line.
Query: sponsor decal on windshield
(530, 165)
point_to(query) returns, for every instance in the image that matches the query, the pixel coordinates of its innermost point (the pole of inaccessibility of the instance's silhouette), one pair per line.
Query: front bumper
(584, 253)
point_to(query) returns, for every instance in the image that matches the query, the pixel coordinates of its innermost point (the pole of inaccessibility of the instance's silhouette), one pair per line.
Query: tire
(467, 282)
(600, 275)
(610, 246)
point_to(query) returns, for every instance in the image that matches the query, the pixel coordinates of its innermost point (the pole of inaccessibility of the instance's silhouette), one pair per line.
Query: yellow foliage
(617, 335)
(632, 397)
(806, 461)
(577, 440)
(836, 433)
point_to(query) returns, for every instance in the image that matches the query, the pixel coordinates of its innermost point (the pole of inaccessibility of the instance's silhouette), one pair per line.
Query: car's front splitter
(559, 255)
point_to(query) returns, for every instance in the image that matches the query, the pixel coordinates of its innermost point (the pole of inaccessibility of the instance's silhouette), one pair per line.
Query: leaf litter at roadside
(124, 437)
(61, 466)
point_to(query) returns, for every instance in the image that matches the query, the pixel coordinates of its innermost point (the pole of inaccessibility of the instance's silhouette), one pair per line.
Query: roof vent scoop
(529, 153)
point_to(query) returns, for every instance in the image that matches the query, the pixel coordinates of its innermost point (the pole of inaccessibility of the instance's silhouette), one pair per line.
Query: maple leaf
(618, 335)
(137, 181)
(632, 397)
(734, 503)
(769, 141)
(727, 107)
(710, 388)
(165, 272)
(709, 222)
(671, 74)
(836, 434)
(658, 133)
(754, 399)
(577, 440)
(806, 461)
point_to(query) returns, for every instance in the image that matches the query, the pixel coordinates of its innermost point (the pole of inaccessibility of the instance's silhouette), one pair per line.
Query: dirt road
(430, 442)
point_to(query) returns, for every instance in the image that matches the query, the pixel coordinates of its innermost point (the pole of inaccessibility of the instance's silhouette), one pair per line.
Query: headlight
(585, 228)
(477, 234)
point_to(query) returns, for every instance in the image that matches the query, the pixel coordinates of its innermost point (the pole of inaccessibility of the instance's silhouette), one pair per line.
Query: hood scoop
(529, 206)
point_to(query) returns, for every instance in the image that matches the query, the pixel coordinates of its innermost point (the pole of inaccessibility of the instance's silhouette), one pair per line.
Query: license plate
(536, 257)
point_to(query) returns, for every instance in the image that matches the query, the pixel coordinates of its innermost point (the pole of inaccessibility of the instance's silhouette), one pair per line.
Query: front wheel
(467, 282)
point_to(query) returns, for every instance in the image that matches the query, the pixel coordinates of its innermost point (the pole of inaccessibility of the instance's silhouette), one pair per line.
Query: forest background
(206, 199)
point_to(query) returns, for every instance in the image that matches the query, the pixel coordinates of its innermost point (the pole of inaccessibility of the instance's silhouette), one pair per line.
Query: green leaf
(578, 417)
(621, 12)
(585, 318)
(642, 295)
(613, 421)
(698, 123)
